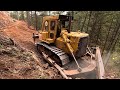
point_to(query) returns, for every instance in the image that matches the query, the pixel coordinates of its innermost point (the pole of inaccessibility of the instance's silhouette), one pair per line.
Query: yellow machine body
(68, 42)
(74, 38)
(65, 49)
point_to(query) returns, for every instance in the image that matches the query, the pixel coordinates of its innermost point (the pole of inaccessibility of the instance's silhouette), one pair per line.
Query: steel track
(63, 57)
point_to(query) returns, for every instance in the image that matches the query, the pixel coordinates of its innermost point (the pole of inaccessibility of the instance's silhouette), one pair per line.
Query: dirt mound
(5, 19)
(18, 63)
(20, 32)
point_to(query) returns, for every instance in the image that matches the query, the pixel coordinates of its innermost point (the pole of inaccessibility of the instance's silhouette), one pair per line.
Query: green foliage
(14, 14)
(39, 24)
(22, 17)
(97, 26)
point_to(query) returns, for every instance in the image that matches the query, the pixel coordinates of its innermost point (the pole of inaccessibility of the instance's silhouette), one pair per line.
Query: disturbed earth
(19, 58)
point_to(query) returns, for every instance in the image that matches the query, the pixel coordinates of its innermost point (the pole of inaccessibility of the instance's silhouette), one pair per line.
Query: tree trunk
(35, 20)
(49, 13)
(107, 35)
(17, 15)
(98, 34)
(117, 39)
(110, 51)
(73, 18)
(89, 20)
(22, 15)
(114, 41)
(79, 21)
(114, 36)
(28, 18)
(93, 28)
(31, 17)
(84, 22)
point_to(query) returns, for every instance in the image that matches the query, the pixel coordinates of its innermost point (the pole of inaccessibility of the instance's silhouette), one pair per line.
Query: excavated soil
(19, 58)
(5, 20)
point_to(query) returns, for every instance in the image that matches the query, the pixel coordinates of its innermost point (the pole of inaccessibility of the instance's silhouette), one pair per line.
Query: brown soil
(17, 60)
(21, 34)
(5, 20)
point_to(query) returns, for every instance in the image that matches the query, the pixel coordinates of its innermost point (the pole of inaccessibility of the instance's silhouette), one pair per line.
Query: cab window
(52, 25)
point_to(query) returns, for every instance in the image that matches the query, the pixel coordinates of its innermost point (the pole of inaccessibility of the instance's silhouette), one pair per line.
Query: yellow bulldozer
(66, 50)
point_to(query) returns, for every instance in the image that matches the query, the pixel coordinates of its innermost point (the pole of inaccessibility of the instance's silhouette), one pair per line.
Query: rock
(8, 48)
(4, 40)
(46, 65)
(4, 51)
(11, 51)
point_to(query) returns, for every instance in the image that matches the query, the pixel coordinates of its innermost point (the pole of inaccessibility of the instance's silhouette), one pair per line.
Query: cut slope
(19, 63)
(17, 60)
(5, 19)
(21, 34)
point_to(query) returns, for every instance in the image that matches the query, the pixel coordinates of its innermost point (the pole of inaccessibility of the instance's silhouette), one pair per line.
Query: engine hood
(78, 34)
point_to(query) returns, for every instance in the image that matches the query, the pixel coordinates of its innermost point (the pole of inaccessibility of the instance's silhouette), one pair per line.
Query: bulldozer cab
(52, 26)
(65, 22)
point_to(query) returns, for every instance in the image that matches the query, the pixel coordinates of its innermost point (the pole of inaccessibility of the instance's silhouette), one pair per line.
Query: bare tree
(84, 21)
(90, 14)
(17, 15)
(22, 15)
(49, 12)
(35, 20)
(28, 18)
(114, 34)
(109, 29)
